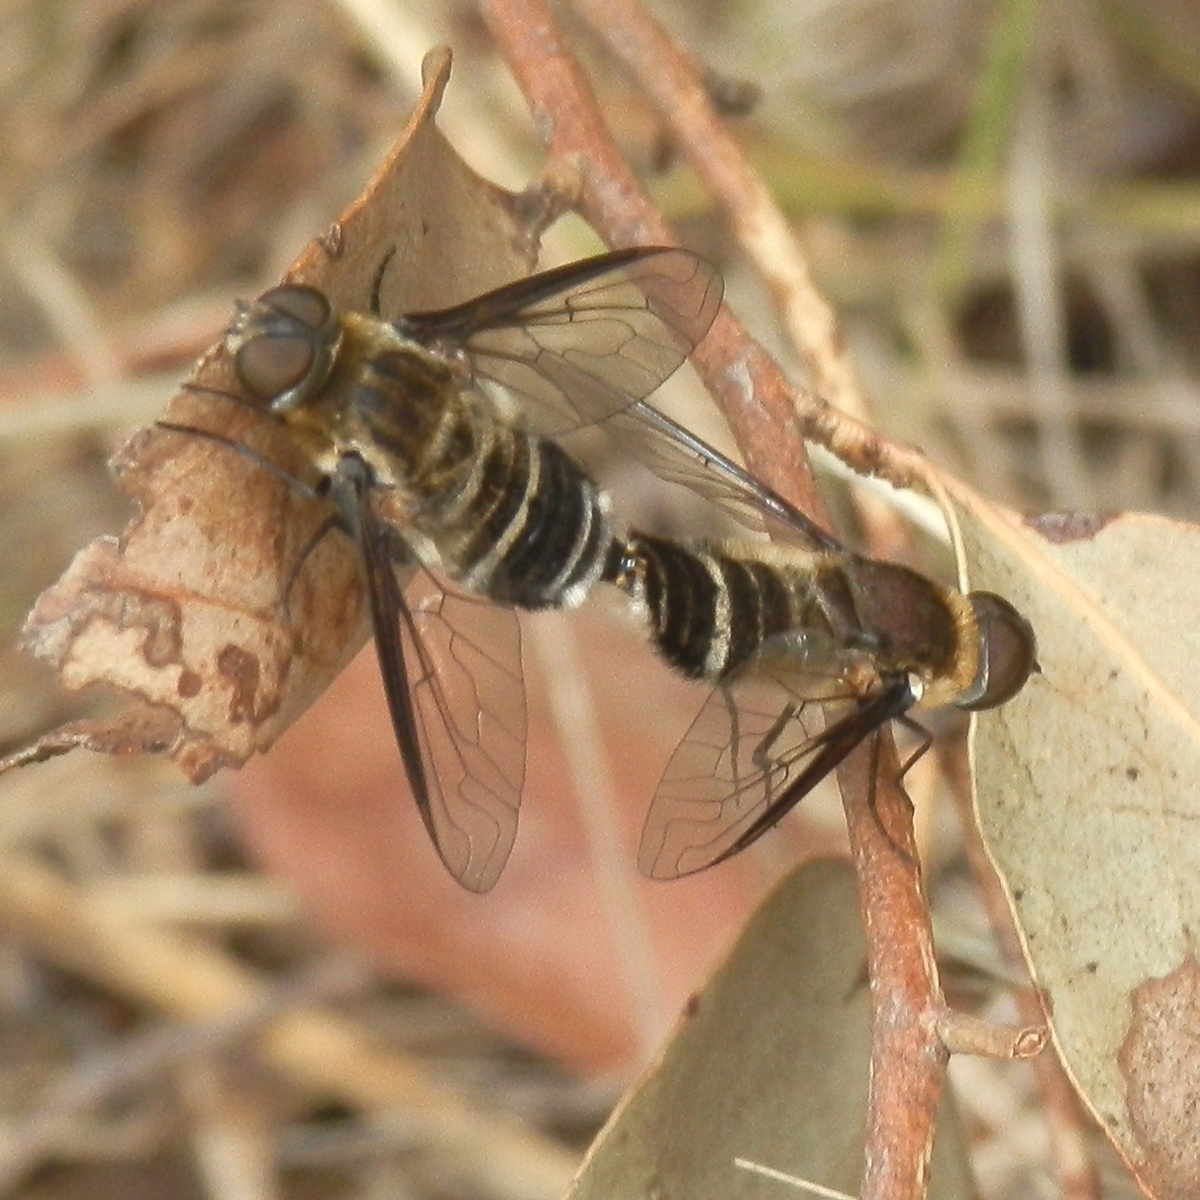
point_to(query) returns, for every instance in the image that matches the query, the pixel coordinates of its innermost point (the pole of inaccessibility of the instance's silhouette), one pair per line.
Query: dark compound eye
(283, 343)
(304, 306)
(1007, 652)
(269, 365)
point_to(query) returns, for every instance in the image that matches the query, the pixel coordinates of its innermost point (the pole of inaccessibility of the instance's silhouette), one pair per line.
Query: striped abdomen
(506, 513)
(711, 609)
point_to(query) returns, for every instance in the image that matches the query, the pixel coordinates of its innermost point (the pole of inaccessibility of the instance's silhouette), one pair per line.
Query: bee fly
(497, 516)
(776, 628)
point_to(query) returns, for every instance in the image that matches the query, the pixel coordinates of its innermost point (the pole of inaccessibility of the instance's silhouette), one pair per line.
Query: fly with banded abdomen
(459, 514)
(780, 629)
(498, 516)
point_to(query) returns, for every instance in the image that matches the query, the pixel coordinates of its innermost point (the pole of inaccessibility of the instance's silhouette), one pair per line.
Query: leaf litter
(200, 644)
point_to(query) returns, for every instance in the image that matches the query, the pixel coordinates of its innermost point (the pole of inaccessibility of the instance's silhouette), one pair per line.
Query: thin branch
(754, 394)
(908, 1056)
(675, 85)
(681, 91)
(963, 1033)
(770, 416)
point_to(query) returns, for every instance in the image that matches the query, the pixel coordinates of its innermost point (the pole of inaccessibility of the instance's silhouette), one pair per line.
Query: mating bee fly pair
(501, 517)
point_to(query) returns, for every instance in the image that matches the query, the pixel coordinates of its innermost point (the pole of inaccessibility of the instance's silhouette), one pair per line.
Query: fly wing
(587, 343)
(628, 319)
(755, 750)
(677, 455)
(451, 667)
(739, 754)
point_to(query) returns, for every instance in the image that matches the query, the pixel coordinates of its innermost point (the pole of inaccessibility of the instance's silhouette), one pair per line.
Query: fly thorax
(407, 408)
(906, 622)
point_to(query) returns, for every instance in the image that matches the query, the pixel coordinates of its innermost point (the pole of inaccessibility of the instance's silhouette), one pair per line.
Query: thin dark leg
(261, 460)
(332, 520)
(377, 284)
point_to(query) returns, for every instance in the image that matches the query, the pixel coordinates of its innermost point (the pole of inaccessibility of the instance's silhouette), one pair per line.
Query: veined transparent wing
(628, 318)
(754, 751)
(451, 667)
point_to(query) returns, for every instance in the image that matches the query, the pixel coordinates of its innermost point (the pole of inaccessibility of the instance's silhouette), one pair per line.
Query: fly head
(284, 345)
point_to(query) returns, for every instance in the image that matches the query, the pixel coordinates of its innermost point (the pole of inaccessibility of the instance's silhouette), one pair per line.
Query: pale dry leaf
(185, 615)
(1087, 801)
(769, 1065)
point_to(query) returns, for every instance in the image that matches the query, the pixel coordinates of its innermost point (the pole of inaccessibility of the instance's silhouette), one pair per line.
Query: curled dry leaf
(1087, 800)
(185, 614)
(768, 1067)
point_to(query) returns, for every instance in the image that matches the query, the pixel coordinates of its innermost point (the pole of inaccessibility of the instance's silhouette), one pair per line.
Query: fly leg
(331, 521)
(377, 282)
(924, 741)
(763, 755)
(259, 459)
(308, 491)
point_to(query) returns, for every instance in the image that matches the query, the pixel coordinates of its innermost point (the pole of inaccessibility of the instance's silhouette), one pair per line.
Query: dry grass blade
(325, 1053)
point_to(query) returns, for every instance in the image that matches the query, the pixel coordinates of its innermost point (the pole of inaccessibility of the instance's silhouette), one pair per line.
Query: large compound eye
(283, 344)
(268, 366)
(1007, 652)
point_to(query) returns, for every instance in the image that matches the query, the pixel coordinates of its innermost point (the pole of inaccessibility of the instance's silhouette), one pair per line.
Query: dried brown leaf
(1087, 800)
(185, 614)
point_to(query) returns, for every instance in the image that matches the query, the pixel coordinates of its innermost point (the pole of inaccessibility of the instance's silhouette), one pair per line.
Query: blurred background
(999, 200)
